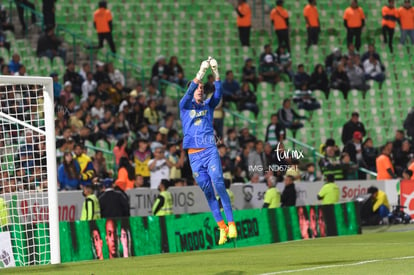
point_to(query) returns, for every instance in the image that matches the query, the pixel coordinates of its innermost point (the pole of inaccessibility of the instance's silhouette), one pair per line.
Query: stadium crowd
(94, 105)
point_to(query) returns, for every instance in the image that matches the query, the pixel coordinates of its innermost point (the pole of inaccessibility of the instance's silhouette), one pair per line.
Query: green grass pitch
(379, 253)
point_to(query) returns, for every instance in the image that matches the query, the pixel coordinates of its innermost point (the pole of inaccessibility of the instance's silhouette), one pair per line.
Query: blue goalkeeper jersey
(197, 119)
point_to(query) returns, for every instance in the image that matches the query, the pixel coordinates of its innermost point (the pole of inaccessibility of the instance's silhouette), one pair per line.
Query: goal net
(29, 225)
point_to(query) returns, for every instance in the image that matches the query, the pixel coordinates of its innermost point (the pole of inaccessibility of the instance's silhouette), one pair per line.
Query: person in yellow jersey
(142, 156)
(163, 205)
(380, 205)
(329, 193)
(90, 209)
(272, 195)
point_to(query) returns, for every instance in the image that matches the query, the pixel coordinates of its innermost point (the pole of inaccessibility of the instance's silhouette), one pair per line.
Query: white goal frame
(49, 132)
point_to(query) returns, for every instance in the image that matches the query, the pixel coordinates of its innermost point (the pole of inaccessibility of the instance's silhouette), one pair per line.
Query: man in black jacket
(288, 197)
(114, 202)
(352, 126)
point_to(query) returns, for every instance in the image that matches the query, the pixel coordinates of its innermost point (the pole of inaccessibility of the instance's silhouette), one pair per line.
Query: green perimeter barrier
(137, 236)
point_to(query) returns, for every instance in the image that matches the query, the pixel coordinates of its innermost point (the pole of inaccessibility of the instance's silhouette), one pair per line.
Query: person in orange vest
(354, 21)
(102, 21)
(244, 22)
(280, 19)
(406, 15)
(385, 169)
(313, 27)
(389, 19)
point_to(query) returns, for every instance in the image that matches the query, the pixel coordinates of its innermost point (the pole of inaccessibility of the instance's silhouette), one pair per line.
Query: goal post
(28, 173)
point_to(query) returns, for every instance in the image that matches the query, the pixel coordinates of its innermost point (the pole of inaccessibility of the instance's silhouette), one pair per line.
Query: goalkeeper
(197, 120)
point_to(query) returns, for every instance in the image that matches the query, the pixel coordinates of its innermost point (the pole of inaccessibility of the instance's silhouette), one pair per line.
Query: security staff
(91, 209)
(272, 195)
(163, 204)
(244, 22)
(113, 201)
(389, 19)
(102, 21)
(310, 12)
(280, 19)
(354, 21)
(329, 193)
(406, 16)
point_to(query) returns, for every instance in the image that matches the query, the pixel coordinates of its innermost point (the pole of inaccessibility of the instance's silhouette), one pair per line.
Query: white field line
(338, 265)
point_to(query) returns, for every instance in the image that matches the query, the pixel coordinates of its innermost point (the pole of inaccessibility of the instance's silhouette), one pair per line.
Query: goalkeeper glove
(203, 69)
(214, 68)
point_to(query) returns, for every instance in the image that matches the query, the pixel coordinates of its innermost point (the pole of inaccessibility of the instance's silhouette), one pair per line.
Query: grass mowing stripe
(338, 265)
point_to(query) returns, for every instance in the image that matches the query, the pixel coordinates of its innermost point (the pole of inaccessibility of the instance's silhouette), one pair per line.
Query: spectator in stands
(142, 156)
(354, 21)
(121, 126)
(226, 163)
(406, 16)
(177, 158)
(151, 115)
(244, 22)
(304, 100)
(319, 80)
(5, 70)
(402, 157)
(356, 77)
(74, 78)
(114, 74)
(159, 139)
(284, 61)
(21, 5)
(98, 110)
(48, 9)
(329, 193)
(21, 71)
(232, 143)
(340, 80)
(85, 163)
(49, 45)
(288, 197)
(332, 60)
(272, 195)
(398, 141)
(5, 23)
(247, 100)
(280, 20)
(160, 71)
(309, 174)
(209, 85)
(352, 126)
(14, 64)
(374, 70)
(3, 41)
(57, 87)
(107, 123)
(103, 94)
(330, 164)
(301, 77)
(88, 86)
(102, 22)
(75, 120)
(99, 165)
(84, 70)
(126, 175)
(385, 169)
(409, 124)
(152, 93)
(389, 20)
(290, 118)
(114, 202)
(313, 28)
(245, 137)
(268, 68)
(68, 173)
(176, 72)
(371, 51)
(231, 88)
(257, 159)
(275, 131)
(351, 52)
(355, 150)
(143, 131)
(218, 119)
(100, 75)
(66, 93)
(120, 150)
(369, 154)
(249, 74)
(159, 167)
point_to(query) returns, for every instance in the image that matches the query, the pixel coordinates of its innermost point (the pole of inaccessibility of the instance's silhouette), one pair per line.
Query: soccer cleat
(232, 231)
(223, 235)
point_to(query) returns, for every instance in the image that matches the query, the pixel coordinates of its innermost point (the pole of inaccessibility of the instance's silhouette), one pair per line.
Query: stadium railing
(315, 154)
